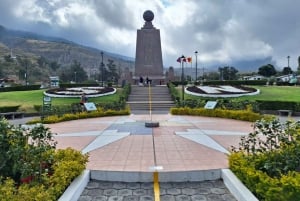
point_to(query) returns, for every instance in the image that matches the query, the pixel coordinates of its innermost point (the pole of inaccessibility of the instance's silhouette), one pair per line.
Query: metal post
(26, 73)
(196, 54)
(102, 76)
(182, 77)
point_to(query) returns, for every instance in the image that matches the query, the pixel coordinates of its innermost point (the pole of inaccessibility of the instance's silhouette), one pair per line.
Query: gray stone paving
(134, 128)
(169, 191)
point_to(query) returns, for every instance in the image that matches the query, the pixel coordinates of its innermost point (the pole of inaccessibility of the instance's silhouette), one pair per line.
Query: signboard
(210, 105)
(47, 99)
(90, 106)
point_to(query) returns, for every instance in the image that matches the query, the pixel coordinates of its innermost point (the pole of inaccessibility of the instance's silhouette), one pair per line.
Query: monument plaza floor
(180, 143)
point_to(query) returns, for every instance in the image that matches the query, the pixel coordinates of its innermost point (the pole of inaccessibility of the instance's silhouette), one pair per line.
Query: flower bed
(79, 91)
(224, 91)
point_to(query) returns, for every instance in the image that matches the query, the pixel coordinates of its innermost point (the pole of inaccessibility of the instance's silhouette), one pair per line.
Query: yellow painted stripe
(156, 186)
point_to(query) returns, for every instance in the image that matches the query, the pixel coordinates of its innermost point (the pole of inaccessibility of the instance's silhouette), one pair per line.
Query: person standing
(83, 99)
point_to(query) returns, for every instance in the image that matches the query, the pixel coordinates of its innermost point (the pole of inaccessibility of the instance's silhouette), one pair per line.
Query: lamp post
(182, 59)
(102, 76)
(26, 73)
(75, 77)
(196, 54)
(288, 58)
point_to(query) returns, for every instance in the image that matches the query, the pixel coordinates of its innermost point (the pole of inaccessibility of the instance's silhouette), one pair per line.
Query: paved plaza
(180, 143)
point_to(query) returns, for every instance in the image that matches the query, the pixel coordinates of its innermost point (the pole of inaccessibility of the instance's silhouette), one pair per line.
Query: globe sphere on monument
(148, 16)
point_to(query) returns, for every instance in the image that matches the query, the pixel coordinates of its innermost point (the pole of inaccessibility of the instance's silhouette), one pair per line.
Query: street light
(102, 76)
(26, 73)
(288, 58)
(196, 54)
(75, 77)
(182, 59)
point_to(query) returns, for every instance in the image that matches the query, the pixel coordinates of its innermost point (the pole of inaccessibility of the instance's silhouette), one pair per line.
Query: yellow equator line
(156, 186)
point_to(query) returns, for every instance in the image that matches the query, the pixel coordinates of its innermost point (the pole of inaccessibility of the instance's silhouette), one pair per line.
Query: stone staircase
(161, 100)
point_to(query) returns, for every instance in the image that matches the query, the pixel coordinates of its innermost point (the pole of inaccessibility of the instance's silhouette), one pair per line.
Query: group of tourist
(148, 81)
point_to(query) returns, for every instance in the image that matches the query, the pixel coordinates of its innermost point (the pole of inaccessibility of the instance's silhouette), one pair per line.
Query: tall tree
(267, 70)
(228, 73)
(79, 73)
(112, 73)
(74, 73)
(287, 71)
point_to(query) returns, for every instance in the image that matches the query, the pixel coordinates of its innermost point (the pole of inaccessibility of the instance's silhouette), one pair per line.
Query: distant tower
(148, 57)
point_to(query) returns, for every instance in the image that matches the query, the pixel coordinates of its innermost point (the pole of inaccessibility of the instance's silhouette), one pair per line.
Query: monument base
(151, 124)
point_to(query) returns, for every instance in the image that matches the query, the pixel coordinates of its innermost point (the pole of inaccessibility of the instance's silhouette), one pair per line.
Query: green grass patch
(27, 99)
(274, 93)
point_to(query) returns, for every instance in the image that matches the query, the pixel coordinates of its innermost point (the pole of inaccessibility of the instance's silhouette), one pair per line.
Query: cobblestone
(170, 191)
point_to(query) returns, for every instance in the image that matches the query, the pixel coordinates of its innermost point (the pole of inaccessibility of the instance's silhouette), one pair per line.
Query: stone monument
(148, 57)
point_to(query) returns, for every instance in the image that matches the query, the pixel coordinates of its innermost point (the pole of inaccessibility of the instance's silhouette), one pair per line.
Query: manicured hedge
(278, 105)
(20, 88)
(4, 109)
(100, 112)
(245, 115)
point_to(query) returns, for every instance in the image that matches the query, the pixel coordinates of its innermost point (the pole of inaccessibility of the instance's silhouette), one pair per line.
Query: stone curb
(234, 185)
(76, 188)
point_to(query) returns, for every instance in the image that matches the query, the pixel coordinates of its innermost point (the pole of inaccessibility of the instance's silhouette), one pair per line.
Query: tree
(267, 70)
(112, 73)
(79, 74)
(74, 73)
(287, 71)
(212, 76)
(228, 73)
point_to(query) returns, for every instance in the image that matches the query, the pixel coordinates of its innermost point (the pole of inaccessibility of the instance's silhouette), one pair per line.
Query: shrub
(267, 160)
(245, 115)
(100, 112)
(20, 88)
(9, 108)
(48, 172)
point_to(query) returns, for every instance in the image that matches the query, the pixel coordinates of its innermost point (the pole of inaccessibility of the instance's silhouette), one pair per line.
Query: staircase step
(161, 99)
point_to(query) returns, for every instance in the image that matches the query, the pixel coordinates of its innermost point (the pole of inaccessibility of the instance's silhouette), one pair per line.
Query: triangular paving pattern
(200, 137)
(107, 137)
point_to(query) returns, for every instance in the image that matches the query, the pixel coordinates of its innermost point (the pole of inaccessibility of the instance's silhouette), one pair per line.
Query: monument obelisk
(148, 57)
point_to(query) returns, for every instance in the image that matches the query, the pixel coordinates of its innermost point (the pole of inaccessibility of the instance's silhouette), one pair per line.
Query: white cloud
(221, 31)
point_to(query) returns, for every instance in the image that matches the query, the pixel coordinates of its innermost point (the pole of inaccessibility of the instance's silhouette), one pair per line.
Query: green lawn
(276, 93)
(279, 93)
(27, 99)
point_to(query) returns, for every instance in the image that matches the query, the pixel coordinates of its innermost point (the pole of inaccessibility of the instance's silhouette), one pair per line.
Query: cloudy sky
(222, 31)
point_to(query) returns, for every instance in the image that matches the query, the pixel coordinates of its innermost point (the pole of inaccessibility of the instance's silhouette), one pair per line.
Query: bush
(20, 88)
(278, 105)
(245, 115)
(34, 170)
(100, 112)
(267, 160)
(174, 93)
(4, 109)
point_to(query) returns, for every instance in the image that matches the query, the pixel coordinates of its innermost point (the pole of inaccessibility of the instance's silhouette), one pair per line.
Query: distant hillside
(62, 51)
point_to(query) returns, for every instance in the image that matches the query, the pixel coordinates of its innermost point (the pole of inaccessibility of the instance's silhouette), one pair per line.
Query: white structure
(54, 81)
(254, 77)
